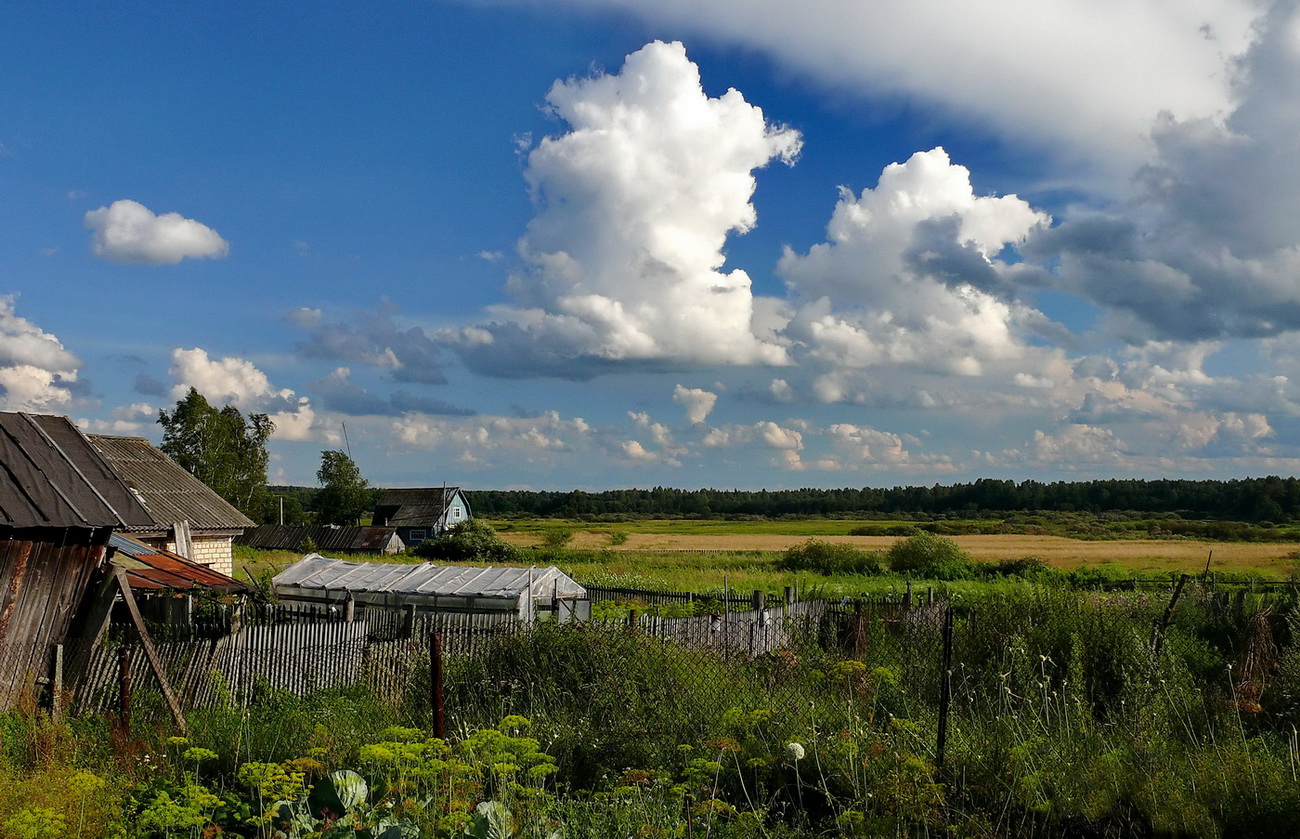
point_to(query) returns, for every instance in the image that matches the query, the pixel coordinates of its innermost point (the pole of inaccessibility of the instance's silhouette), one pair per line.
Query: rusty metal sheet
(151, 568)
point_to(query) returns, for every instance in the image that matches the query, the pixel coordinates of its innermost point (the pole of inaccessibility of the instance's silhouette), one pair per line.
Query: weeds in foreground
(1063, 722)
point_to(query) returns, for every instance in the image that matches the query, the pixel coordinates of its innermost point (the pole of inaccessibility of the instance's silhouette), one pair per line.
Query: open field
(1142, 556)
(702, 555)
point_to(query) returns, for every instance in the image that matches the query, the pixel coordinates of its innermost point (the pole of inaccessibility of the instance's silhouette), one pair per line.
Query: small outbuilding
(421, 513)
(326, 537)
(527, 593)
(59, 505)
(188, 518)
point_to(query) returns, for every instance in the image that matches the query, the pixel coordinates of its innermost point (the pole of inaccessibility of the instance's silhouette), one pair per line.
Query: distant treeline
(1272, 499)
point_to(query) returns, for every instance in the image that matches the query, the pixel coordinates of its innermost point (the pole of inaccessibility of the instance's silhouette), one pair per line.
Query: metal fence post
(945, 688)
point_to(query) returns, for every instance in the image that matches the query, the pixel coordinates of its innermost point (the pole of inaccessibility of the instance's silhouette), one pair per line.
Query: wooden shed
(165, 584)
(326, 537)
(527, 593)
(59, 504)
(186, 516)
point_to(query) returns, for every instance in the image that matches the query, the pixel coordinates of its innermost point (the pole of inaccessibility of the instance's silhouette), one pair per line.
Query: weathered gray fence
(299, 651)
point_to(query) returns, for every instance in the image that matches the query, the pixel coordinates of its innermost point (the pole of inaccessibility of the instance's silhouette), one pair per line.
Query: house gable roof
(417, 507)
(169, 493)
(51, 476)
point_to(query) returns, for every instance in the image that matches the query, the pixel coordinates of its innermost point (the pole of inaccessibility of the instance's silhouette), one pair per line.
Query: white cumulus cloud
(223, 380)
(634, 204)
(128, 232)
(34, 365)
(697, 402)
(1082, 77)
(909, 273)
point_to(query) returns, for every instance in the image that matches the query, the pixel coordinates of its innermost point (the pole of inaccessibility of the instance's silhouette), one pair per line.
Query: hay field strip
(1140, 555)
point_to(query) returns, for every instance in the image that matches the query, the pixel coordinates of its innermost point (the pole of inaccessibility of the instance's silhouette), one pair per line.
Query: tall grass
(1064, 721)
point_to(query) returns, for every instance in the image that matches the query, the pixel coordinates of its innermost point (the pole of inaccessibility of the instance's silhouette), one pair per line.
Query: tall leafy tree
(221, 447)
(344, 495)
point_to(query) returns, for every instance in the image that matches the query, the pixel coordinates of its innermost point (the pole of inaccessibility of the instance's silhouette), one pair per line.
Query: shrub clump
(829, 558)
(1029, 567)
(931, 556)
(470, 541)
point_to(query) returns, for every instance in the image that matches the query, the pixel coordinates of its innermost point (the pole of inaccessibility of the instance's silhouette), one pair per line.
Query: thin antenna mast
(345, 439)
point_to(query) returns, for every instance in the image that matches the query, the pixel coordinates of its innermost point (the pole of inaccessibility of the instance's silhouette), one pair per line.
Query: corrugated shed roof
(153, 569)
(288, 537)
(427, 579)
(51, 476)
(414, 507)
(170, 494)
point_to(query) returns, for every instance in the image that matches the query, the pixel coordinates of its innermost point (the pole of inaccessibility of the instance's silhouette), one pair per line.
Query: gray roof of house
(51, 476)
(169, 493)
(326, 537)
(317, 572)
(414, 507)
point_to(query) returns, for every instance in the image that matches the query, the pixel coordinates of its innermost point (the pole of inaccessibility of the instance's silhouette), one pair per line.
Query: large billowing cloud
(624, 257)
(128, 232)
(1208, 246)
(1080, 75)
(35, 368)
(910, 273)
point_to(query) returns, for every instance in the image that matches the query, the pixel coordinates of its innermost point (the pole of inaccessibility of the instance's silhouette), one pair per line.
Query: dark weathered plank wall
(43, 576)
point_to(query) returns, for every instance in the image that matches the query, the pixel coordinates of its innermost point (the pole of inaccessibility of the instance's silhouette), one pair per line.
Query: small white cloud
(868, 444)
(128, 232)
(531, 439)
(697, 402)
(27, 388)
(1076, 444)
(779, 438)
(34, 366)
(223, 380)
(302, 423)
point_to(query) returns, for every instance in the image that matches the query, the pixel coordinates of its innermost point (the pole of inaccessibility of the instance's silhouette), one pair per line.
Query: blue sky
(604, 243)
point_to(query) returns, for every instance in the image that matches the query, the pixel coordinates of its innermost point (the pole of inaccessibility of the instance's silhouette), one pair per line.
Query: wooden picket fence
(301, 651)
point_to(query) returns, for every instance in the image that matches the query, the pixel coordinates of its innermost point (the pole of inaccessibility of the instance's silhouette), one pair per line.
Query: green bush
(829, 558)
(1029, 567)
(471, 541)
(930, 556)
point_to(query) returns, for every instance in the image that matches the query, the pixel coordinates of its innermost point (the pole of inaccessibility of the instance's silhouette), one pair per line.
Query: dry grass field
(1139, 555)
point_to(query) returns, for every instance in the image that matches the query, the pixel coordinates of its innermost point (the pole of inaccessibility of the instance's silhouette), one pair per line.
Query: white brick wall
(214, 552)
